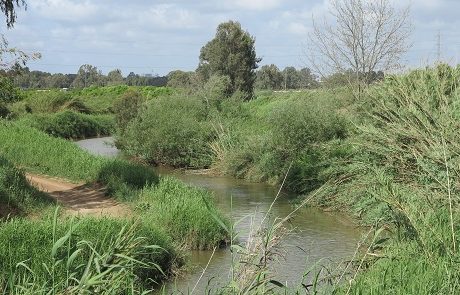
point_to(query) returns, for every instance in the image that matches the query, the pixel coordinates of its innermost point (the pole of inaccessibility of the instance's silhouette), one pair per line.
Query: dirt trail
(79, 198)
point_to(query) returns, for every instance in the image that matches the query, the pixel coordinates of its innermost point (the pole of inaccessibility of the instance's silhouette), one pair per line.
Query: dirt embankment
(79, 198)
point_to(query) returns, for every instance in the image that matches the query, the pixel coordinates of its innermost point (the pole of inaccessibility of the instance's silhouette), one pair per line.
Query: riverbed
(315, 237)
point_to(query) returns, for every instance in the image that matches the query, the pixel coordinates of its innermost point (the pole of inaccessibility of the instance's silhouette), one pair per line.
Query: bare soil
(79, 198)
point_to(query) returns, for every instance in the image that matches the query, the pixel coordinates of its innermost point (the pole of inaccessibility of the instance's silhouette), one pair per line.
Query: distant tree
(291, 78)
(115, 77)
(269, 77)
(231, 53)
(366, 36)
(87, 75)
(307, 80)
(58, 81)
(180, 79)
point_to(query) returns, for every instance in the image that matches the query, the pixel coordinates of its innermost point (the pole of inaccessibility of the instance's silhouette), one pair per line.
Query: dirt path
(79, 198)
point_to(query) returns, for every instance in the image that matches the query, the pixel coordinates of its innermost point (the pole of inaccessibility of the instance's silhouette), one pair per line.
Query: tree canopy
(231, 53)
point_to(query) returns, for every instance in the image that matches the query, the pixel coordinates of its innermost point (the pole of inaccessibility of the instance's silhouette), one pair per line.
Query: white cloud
(65, 10)
(171, 16)
(257, 4)
(298, 28)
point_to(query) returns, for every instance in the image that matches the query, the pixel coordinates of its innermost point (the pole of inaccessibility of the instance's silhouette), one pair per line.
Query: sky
(157, 36)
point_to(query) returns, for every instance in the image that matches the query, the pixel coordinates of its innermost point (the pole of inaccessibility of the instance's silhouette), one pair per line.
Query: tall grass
(186, 213)
(404, 175)
(17, 196)
(83, 256)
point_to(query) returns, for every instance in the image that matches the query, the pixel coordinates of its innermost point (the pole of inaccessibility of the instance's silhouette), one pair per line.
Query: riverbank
(315, 237)
(150, 236)
(389, 159)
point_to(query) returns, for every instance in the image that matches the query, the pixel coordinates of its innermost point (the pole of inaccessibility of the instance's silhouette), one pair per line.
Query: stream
(316, 236)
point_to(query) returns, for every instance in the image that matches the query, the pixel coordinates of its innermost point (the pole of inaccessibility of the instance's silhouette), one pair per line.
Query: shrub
(71, 125)
(8, 93)
(171, 131)
(126, 108)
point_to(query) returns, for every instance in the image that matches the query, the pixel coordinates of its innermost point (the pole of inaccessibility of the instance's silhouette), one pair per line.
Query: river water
(315, 236)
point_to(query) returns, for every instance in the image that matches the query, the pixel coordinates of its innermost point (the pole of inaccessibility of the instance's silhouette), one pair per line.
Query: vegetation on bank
(389, 159)
(95, 254)
(71, 125)
(402, 174)
(256, 140)
(17, 196)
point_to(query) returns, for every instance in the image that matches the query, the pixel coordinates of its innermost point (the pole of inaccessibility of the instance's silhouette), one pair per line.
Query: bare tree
(366, 36)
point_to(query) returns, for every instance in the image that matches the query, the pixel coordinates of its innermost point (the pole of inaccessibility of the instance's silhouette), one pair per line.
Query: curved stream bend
(317, 235)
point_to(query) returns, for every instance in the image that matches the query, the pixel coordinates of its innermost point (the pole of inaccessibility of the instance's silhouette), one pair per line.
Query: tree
(231, 53)
(87, 75)
(291, 78)
(367, 36)
(8, 7)
(269, 77)
(115, 77)
(180, 79)
(307, 80)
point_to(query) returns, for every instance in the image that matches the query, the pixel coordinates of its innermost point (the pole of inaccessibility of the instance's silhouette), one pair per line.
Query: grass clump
(186, 213)
(70, 124)
(90, 255)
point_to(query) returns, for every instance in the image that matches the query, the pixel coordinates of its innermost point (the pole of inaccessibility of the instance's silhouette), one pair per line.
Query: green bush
(261, 139)
(71, 125)
(8, 93)
(172, 131)
(126, 108)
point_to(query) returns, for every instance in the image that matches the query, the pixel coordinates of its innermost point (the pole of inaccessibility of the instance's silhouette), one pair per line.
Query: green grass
(402, 173)
(91, 100)
(93, 254)
(42, 153)
(17, 196)
(186, 213)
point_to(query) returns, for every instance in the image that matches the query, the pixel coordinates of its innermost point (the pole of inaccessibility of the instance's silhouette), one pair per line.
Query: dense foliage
(402, 174)
(231, 53)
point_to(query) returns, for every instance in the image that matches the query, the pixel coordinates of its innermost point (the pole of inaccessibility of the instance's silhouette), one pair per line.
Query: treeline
(86, 76)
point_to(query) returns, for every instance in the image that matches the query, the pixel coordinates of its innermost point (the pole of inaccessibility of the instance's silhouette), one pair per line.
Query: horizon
(155, 39)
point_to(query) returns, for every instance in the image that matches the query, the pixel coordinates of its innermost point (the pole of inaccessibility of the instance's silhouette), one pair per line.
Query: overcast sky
(155, 37)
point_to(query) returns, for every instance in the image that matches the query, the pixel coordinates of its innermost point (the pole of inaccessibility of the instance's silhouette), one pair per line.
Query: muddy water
(316, 236)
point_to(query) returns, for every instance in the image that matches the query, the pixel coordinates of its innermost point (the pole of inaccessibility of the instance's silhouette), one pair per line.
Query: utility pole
(439, 46)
